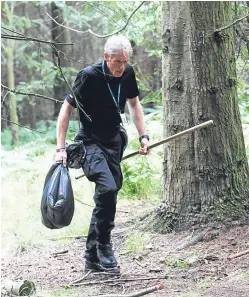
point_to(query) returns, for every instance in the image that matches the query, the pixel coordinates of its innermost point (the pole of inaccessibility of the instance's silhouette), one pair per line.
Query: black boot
(92, 262)
(106, 258)
(93, 266)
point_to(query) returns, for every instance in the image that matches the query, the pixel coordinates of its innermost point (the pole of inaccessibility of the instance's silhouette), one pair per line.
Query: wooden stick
(203, 125)
(238, 255)
(119, 280)
(230, 25)
(81, 279)
(114, 233)
(140, 264)
(138, 293)
(83, 202)
(59, 253)
(68, 237)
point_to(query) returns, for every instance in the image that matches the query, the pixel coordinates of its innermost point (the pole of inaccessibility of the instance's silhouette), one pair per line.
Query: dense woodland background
(31, 66)
(34, 67)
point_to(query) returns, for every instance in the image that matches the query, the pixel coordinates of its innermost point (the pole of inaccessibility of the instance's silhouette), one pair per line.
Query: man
(100, 92)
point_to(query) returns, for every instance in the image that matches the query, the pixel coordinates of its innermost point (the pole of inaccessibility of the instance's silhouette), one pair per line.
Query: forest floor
(202, 269)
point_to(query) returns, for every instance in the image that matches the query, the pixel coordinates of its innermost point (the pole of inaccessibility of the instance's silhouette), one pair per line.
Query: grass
(69, 292)
(136, 242)
(175, 262)
(22, 185)
(143, 175)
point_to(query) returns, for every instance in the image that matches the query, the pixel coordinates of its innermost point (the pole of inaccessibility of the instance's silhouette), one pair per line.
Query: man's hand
(144, 150)
(61, 157)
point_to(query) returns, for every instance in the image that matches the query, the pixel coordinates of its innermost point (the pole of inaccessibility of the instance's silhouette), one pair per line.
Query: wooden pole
(200, 126)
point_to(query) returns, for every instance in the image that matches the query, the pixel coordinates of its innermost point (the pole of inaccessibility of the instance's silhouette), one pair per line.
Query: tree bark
(206, 174)
(9, 51)
(59, 34)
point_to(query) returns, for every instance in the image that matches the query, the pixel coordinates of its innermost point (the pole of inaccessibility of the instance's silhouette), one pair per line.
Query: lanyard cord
(116, 102)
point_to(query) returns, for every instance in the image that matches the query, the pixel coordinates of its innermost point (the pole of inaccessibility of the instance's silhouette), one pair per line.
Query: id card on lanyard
(116, 102)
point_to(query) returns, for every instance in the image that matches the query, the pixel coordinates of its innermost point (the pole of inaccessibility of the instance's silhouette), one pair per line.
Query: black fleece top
(91, 90)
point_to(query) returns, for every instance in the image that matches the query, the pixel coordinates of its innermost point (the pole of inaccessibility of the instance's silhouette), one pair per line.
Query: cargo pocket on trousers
(94, 163)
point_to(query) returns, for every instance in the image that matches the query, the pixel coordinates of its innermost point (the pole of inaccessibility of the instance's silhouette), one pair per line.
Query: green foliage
(48, 135)
(154, 97)
(25, 136)
(177, 263)
(243, 97)
(141, 181)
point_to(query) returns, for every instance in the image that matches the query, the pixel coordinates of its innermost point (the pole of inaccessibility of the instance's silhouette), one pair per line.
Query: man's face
(116, 63)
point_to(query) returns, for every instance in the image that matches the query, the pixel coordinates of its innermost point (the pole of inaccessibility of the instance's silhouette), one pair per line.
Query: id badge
(124, 119)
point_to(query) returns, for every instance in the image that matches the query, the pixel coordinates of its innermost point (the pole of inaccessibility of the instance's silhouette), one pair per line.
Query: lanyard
(116, 102)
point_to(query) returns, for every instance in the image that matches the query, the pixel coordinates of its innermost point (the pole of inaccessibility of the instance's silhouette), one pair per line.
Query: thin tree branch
(7, 93)
(113, 33)
(82, 278)
(138, 293)
(109, 8)
(23, 126)
(230, 25)
(13, 31)
(33, 39)
(238, 255)
(81, 32)
(118, 280)
(83, 202)
(91, 32)
(63, 76)
(31, 94)
(24, 37)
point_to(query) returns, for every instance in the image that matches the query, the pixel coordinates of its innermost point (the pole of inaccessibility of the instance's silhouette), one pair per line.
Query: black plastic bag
(57, 204)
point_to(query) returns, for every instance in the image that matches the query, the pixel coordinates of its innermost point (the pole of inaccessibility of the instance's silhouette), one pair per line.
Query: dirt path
(199, 270)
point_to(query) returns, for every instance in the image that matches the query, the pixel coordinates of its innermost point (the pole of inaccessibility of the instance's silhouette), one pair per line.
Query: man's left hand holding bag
(62, 126)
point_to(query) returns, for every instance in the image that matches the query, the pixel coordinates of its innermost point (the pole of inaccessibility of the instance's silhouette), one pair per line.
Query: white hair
(118, 43)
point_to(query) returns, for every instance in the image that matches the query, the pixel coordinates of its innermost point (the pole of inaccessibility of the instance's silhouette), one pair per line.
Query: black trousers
(102, 166)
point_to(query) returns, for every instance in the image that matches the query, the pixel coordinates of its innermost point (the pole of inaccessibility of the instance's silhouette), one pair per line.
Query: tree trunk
(9, 7)
(206, 174)
(59, 34)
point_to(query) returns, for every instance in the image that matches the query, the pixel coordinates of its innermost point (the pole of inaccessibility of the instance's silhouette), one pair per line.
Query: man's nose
(122, 67)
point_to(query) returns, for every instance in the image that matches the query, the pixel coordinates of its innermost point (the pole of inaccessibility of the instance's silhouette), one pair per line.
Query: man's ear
(106, 56)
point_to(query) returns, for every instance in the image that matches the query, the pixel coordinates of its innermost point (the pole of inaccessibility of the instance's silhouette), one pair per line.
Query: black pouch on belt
(76, 153)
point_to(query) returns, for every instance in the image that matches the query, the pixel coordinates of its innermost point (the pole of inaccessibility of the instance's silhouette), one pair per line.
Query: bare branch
(31, 94)
(238, 254)
(230, 25)
(91, 32)
(83, 202)
(62, 74)
(113, 33)
(23, 126)
(137, 293)
(81, 32)
(24, 37)
(6, 36)
(123, 280)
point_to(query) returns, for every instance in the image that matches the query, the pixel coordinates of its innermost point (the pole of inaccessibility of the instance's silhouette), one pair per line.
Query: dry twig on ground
(118, 280)
(238, 255)
(138, 293)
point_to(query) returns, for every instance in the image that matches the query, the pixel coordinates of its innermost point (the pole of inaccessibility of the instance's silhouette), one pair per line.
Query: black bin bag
(57, 204)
